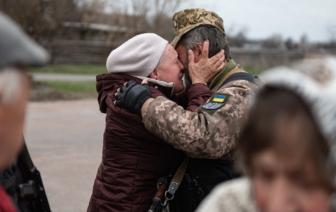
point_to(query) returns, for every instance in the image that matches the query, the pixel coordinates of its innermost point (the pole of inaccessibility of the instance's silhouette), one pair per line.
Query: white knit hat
(315, 81)
(138, 56)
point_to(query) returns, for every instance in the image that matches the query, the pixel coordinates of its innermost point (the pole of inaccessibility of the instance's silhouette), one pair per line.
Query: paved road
(65, 142)
(64, 77)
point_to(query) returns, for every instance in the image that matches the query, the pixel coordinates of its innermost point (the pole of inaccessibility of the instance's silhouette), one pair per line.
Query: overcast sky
(264, 18)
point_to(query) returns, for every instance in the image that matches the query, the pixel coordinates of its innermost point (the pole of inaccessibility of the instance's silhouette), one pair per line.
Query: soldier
(210, 132)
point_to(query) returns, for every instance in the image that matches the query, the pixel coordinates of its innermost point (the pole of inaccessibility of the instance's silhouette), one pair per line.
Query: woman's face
(287, 183)
(170, 69)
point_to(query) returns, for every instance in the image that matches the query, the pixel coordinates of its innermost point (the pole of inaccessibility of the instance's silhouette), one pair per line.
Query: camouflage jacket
(210, 132)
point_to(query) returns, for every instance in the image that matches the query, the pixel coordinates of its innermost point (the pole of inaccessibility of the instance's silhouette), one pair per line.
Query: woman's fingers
(144, 81)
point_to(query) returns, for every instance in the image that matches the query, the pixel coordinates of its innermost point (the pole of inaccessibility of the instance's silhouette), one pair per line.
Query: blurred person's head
(192, 28)
(17, 51)
(147, 55)
(285, 145)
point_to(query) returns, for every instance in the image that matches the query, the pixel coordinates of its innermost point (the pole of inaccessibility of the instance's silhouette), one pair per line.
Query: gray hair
(10, 79)
(217, 39)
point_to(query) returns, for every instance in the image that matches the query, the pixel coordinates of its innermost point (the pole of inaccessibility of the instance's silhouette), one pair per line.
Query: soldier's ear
(198, 52)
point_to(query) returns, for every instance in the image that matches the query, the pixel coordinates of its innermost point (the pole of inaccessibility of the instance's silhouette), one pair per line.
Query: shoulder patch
(216, 101)
(212, 106)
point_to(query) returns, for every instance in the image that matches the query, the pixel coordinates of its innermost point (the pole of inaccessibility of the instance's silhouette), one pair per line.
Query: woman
(286, 146)
(133, 159)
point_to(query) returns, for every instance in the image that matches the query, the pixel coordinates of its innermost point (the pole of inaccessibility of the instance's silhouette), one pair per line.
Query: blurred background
(79, 34)
(64, 137)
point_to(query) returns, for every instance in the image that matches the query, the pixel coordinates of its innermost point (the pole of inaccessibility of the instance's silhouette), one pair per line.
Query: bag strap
(237, 69)
(243, 76)
(176, 180)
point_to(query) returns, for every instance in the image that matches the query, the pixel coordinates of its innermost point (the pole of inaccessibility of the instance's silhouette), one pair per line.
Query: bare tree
(44, 19)
(160, 20)
(332, 33)
(146, 15)
(274, 41)
(237, 35)
(304, 42)
(40, 18)
(92, 11)
(289, 43)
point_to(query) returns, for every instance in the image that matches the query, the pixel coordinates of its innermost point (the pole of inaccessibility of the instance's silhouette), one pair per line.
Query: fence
(266, 58)
(63, 51)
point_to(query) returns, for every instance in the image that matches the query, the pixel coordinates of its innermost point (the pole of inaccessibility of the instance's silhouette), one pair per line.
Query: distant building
(95, 32)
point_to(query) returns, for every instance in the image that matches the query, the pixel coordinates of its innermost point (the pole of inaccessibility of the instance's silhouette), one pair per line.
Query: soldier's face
(171, 69)
(12, 116)
(183, 57)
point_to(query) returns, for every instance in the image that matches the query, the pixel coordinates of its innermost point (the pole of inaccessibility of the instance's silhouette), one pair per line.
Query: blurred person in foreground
(207, 135)
(133, 159)
(287, 146)
(17, 51)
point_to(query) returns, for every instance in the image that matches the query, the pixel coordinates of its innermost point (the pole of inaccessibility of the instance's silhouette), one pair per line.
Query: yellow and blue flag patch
(217, 101)
(219, 98)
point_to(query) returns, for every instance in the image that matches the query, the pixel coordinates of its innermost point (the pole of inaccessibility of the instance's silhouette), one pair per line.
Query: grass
(73, 89)
(253, 71)
(72, 86)
(93, 69)
(53, 90)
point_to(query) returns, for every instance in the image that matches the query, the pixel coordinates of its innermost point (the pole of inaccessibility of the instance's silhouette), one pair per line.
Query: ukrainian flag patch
(219, 98)
(217, 101)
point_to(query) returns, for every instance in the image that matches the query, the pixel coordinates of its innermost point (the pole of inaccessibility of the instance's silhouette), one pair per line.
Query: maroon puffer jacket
(132, 159)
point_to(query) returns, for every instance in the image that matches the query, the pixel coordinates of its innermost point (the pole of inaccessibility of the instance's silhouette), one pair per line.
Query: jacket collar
(167, 88)
(228, 67)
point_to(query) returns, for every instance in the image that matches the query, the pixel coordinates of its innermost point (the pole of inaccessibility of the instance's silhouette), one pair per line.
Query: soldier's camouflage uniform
(207, 133)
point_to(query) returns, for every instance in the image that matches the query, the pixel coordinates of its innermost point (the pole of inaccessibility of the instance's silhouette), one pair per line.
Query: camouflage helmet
(188, 19)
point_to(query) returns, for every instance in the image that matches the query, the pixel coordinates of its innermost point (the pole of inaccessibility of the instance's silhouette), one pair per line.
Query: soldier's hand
(132, 96)
(207, 68)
